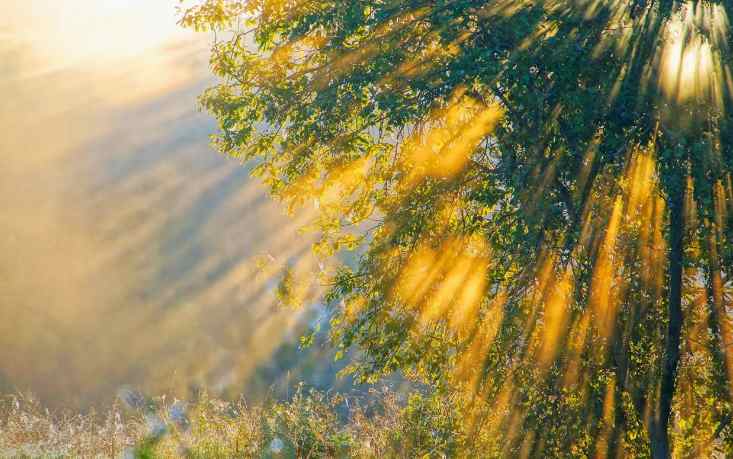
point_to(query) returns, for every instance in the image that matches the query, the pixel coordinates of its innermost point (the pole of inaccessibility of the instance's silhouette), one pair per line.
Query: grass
(309, 425)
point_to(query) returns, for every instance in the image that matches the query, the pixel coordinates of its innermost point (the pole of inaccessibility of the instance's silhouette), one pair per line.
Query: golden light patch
(445, 283)
(465, 310)
(607, 419)
(602, 301)
(443, 147)
(469, 365)
(556, 316)
(641, 181)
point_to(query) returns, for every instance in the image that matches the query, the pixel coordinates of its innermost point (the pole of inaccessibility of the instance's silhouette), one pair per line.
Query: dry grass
(28, 430)
(310, 425)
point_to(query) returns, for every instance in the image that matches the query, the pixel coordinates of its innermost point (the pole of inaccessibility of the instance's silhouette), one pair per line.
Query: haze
(126, 243)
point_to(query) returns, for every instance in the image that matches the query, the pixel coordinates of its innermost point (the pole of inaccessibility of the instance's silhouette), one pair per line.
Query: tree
(537, 192)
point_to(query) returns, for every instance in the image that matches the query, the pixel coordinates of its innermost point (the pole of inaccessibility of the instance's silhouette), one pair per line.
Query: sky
(128, 248)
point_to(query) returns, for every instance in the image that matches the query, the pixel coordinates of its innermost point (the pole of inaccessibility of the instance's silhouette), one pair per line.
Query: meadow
(311, 424)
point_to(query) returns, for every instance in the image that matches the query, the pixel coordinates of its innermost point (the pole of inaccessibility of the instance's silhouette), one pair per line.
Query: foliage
(538, 193)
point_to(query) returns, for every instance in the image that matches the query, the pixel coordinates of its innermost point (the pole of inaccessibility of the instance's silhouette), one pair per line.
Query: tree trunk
(660, 448)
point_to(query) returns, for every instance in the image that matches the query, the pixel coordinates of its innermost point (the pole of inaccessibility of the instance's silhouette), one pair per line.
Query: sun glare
(691, 64)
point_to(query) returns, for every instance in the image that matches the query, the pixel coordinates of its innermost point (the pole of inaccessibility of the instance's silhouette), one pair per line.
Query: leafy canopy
(536, 193)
